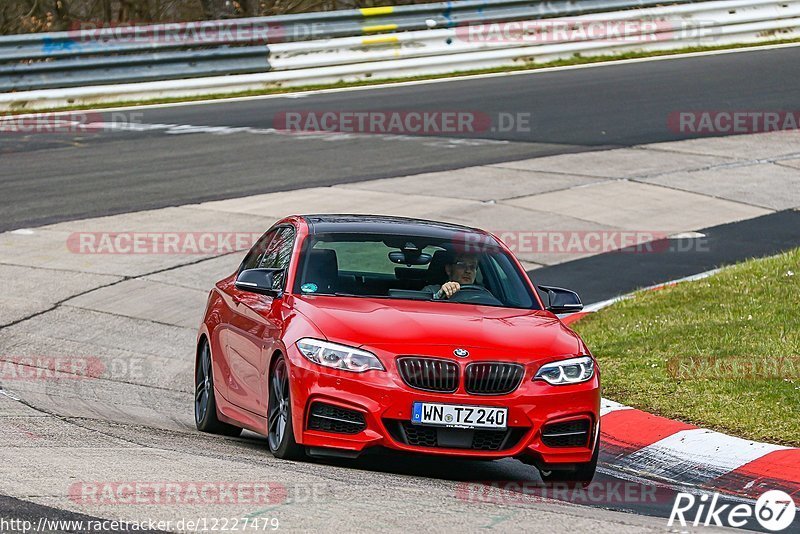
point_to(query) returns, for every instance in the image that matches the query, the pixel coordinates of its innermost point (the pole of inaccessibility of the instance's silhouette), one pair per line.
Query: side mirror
(260, 281)
(560, 300)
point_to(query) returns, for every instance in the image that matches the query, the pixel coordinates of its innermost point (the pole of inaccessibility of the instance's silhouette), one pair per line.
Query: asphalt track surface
(178, 159)
(50, 178)
(507, 470)
(605, 276)
(726, 243)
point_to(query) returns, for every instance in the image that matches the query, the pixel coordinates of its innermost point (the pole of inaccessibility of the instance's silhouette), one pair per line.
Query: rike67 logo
(774, 511)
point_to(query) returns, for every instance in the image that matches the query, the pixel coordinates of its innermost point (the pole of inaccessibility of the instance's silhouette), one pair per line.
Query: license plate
(455, 415)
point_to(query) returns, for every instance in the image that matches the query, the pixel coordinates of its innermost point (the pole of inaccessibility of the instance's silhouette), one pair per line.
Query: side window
(279, 252)
(253, 258)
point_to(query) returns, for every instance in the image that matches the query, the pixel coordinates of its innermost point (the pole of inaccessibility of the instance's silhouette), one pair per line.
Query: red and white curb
(653, 447)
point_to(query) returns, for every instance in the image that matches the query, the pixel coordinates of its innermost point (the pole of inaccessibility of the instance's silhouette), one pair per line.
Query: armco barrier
(179, 65)
(707, 23)
(308, 26)
(126, 54)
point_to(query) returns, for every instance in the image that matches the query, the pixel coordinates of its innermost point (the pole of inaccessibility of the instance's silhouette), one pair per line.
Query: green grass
(747, 317)
(577, 59)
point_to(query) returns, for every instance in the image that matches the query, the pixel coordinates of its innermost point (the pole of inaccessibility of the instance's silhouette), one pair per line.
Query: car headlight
(338, 356)
(571, 371)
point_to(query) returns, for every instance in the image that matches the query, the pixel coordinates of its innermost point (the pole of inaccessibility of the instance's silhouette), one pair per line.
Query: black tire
(205, 405)
(582, 474)
(280, 433)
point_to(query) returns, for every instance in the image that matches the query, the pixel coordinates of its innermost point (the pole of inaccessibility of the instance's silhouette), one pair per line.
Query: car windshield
(413, 268)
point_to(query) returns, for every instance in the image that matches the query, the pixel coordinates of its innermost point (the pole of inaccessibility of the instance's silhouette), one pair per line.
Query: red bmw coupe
(342, 332)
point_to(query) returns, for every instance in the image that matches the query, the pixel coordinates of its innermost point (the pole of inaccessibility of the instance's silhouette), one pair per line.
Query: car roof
(385, 224)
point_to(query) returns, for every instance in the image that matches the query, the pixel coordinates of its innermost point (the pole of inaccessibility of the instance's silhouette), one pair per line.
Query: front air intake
(429, 374)
(329, 418)
(493, 378)
(566, 434)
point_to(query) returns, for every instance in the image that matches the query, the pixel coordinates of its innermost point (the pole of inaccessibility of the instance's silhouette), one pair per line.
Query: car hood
(395, 324)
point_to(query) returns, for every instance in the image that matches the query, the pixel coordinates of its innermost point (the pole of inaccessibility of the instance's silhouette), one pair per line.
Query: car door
(254, 327)
(225, 381)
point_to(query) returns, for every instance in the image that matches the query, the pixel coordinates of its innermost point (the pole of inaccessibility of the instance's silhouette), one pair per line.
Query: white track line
(597, 306)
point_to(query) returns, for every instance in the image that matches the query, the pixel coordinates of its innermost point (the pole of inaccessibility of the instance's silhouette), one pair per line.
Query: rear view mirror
(406, 257)
(260, 281)
(560, 300)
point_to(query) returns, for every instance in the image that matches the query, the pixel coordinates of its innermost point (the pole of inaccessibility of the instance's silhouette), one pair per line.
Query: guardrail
(100, 40)
(125, 54)
(250, 54)
(707, 23)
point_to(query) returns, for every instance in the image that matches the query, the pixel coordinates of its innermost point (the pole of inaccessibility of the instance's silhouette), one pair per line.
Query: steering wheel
(475, 294)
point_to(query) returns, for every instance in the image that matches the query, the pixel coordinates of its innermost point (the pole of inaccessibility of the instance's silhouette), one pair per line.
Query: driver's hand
(450, 288)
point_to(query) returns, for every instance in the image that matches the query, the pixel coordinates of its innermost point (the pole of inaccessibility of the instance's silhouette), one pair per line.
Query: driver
(462, 270)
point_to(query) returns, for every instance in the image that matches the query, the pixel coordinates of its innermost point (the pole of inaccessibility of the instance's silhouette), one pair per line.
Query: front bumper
(385, 403)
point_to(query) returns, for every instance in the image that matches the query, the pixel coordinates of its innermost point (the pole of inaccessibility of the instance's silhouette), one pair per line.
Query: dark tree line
(25, 16)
